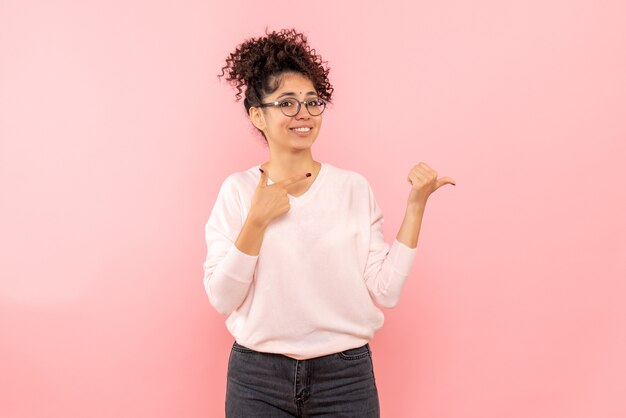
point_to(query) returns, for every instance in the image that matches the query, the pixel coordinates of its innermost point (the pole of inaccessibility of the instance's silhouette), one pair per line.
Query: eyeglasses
(291, 106)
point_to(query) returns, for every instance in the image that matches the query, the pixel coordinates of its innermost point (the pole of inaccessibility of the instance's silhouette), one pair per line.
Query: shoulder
(240, 182)
(242, 178)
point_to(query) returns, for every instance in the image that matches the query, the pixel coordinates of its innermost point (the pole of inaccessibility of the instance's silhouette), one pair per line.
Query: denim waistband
(347, 352)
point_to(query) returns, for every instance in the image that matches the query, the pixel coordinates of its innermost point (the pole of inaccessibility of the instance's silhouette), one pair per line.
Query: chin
(301, 147)
(294, 139)
(303, 143)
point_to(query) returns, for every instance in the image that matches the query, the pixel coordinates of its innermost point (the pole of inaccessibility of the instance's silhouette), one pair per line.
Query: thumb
(263, 177)
(444, 180)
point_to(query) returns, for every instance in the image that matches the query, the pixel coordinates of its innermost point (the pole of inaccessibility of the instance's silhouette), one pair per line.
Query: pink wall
(115, 135)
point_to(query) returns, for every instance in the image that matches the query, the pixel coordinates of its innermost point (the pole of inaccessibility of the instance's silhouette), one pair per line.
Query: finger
(445, 180)
(263, 177)
(425, 171)
(413, 179)
(293, 179)
(427, 167)
(419, 177)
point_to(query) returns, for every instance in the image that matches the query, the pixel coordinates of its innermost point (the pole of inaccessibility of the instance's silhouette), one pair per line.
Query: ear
(257, 117)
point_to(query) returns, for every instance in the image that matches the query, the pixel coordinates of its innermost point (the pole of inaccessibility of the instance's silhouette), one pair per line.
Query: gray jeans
(273, 385)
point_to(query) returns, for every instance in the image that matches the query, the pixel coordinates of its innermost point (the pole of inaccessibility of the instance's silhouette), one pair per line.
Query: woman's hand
(271, 201)
(424, 182)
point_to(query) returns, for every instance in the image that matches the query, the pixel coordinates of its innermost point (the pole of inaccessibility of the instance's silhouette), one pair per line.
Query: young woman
(296, 255)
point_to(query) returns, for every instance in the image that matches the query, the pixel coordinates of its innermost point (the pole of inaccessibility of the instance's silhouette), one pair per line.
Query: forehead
(295, 83)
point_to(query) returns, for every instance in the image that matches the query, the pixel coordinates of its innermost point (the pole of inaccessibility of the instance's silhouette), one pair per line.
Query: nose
(302, 112)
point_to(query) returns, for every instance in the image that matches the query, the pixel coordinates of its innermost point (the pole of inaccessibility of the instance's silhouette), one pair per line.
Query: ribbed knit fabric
(311, 289)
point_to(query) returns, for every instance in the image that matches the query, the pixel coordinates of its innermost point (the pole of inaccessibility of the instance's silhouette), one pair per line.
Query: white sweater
(322, 265)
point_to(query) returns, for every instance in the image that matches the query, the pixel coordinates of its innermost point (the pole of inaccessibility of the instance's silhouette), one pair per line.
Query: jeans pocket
(355, 353)
(241, 348)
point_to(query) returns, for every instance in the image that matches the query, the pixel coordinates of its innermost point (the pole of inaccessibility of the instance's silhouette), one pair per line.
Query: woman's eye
(314, 103)
(286, 103)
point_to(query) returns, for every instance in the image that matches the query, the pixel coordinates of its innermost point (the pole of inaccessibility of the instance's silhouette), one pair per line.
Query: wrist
(256, 222)
(416, 208)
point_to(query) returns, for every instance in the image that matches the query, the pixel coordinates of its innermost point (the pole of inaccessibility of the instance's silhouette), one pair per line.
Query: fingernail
(308, 174)
(261, 170)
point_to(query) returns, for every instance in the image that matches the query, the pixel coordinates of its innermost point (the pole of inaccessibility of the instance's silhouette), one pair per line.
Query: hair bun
(256, 62)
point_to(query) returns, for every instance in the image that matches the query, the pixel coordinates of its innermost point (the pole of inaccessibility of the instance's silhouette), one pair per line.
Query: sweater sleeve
(387, 266)
(228, 272)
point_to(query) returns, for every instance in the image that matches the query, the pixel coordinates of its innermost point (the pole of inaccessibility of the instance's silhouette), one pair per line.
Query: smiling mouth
(301, 129)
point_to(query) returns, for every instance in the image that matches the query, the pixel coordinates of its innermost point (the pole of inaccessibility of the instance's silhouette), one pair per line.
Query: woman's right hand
(271, 201)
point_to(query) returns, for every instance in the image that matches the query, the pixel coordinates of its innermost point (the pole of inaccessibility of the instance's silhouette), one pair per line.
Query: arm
(410, 229)
(228, 270)
(387, 271)
(387, 266)
(424, 182)
(233, 248)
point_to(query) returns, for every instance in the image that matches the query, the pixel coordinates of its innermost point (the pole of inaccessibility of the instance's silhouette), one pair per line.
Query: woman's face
(278, 128)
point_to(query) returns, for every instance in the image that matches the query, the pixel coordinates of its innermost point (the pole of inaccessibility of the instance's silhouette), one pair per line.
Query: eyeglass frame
(277, 103)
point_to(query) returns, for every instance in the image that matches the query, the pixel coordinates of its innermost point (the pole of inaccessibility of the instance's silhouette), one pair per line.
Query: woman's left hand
(424, 182)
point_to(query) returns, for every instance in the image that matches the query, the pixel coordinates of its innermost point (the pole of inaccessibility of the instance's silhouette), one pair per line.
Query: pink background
(115, 134)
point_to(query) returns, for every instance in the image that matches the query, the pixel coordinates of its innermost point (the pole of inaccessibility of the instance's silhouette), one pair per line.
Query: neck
(284, 165)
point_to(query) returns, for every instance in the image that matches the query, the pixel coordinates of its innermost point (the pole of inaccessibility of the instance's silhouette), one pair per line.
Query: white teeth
(301, 129)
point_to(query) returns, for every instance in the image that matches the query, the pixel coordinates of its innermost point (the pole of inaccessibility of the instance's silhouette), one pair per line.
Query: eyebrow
(291, 93)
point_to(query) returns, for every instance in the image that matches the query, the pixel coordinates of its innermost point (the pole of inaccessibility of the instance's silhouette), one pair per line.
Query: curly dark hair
(259, 64)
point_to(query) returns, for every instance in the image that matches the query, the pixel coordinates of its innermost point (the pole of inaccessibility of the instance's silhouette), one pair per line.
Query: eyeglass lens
(291, 107)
